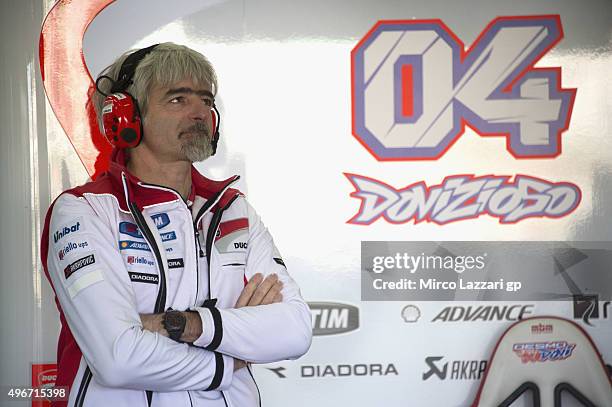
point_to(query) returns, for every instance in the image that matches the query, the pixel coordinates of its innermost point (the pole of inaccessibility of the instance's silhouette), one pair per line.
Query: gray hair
(165, 65)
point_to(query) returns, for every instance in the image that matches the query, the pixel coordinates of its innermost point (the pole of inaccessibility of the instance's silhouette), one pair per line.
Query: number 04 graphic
(415, 88)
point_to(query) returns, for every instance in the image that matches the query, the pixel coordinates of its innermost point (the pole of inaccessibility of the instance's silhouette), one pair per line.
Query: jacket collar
(144, 195)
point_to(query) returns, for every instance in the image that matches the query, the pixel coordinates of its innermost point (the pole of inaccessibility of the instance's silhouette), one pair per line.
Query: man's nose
(200, 111)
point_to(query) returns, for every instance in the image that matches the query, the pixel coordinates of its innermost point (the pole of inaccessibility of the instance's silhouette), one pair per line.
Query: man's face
(178, 122)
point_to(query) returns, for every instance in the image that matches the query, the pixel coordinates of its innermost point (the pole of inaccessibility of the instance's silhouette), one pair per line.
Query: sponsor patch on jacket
(79, 264)
(175, 263)
(71, 227)
(232, 236)
(161, 220)
(139, 260)
(132, 230)
(71, 247)
(143, 278)
(131, 244)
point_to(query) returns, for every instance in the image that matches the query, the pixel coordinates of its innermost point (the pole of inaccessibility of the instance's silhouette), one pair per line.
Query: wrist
(193, 327)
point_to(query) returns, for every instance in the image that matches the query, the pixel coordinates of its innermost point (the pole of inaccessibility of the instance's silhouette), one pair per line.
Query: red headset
(120, 113)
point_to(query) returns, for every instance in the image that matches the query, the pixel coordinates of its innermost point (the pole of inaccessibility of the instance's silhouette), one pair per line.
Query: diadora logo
(176, 263)
(415, 88)
(59, 234)
(462, 197)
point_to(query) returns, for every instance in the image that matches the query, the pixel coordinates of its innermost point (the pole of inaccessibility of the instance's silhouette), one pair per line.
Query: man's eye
(207, 102)
(176, 100)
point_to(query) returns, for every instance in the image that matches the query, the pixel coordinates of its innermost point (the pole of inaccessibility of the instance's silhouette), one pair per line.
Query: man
(167, 283)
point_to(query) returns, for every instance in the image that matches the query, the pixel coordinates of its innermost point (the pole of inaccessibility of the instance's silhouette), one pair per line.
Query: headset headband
(128, 68)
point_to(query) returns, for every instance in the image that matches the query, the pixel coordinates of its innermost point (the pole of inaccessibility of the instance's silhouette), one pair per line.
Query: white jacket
(117, 247)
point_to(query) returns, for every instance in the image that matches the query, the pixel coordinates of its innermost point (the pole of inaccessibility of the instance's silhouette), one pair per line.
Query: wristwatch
(174, 322)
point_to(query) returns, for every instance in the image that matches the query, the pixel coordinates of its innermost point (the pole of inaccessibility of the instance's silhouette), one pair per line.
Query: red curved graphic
(67, 81)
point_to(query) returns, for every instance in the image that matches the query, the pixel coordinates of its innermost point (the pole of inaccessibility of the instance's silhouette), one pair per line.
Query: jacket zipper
(160, 302)
(196, 235)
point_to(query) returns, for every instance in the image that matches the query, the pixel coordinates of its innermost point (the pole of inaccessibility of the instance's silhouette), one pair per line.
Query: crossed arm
(258, 291)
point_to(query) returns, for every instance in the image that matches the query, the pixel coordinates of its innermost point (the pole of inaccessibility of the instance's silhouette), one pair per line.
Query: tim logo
(415, 88)
(331, 318)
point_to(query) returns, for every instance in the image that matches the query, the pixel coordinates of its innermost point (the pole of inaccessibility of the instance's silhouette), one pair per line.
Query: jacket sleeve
(264, 333)
(97, 299)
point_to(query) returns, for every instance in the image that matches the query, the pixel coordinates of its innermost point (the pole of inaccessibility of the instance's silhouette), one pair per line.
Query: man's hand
(153, 323)
(193, 326)
(258, 292)
(239, 364)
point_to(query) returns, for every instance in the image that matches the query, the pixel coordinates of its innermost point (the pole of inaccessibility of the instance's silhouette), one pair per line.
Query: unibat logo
(415, 88)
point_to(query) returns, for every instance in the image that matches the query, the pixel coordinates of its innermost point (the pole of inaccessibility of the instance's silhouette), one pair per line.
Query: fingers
(271, 283)
(260, 291)
(274, 294)
(249, 290)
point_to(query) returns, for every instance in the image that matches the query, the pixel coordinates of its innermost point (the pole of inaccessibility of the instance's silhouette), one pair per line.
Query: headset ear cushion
(128, 135)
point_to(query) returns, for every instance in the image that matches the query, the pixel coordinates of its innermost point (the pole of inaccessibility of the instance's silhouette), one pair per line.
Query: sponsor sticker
(69, 247)
(541, 329)
(543, 351)
(337, 370)
(232, 236)
(79, 264)
(331, 318)
(44, 376)
(140, 260)
(130, 244)
(72, 227)
(459, 369)
(484, 313)
(144, 278)
(175, 263)
(132, 230)
(411, 313)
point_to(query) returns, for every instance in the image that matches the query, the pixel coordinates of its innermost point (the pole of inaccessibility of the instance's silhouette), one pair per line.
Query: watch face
(174, 321)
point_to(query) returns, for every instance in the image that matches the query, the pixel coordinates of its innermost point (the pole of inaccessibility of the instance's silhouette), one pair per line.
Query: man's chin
(193, 155)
